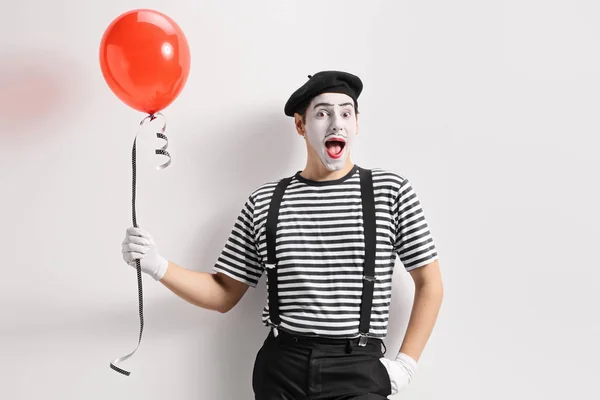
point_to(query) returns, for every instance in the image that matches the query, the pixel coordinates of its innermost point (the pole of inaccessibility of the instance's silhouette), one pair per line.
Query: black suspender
(271, 231)
(370, 234)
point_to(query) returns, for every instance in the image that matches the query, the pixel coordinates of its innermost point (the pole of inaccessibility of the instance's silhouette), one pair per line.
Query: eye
(346, 114)
(322, 113)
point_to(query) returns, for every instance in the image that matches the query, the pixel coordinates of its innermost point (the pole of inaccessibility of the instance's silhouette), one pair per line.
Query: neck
(318, 171)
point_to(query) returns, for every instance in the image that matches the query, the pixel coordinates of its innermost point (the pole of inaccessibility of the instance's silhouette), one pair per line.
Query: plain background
(490, 108)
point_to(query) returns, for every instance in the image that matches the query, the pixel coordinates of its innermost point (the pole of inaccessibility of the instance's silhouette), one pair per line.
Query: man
(327, 239)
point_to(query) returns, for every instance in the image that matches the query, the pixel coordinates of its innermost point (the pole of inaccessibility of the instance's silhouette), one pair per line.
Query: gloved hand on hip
(401, 371)
(138, 244)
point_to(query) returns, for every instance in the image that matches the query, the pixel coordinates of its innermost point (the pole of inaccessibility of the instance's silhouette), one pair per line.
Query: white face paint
(331, 128)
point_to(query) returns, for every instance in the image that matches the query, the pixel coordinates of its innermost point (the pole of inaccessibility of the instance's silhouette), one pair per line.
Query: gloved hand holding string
(139, 244)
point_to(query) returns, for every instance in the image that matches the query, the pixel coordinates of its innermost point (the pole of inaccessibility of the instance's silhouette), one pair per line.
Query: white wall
(490, 108)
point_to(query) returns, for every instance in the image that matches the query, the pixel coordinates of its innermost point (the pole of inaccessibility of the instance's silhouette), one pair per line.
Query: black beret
(323, 82)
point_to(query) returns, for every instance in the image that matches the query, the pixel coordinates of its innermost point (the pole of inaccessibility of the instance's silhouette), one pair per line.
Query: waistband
(313, 341)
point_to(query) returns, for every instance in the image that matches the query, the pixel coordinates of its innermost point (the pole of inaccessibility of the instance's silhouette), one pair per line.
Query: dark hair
(302, 111)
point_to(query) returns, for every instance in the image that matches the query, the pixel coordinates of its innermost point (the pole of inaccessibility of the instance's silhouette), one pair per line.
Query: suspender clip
(270, 266)
(274, 329)
(362, 341)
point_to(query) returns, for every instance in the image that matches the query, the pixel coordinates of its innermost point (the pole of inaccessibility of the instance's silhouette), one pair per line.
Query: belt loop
(348, 346)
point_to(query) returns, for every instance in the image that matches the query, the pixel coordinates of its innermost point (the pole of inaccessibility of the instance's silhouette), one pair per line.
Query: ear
(299, 124)
(357, 124)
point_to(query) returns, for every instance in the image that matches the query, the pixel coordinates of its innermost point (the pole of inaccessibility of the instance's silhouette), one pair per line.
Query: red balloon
(145, 59)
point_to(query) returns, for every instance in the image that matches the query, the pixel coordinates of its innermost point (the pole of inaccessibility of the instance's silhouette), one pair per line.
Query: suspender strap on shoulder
(370, 234)
(271, 231)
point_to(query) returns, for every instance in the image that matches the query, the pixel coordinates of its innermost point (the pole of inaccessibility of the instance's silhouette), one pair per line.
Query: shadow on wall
(253, 148)
(34, 87)
(259, 152)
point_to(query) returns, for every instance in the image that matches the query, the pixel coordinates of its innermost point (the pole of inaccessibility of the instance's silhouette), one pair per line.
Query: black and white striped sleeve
(414, 243)
(239, 258)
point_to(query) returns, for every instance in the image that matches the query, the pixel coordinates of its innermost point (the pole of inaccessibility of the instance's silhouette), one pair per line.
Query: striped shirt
(320, 249)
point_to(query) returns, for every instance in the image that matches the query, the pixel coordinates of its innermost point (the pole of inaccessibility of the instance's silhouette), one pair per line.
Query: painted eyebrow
(331, 105)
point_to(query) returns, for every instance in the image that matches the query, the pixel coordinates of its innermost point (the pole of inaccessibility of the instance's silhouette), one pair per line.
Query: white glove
(401, 371)
(138, 244)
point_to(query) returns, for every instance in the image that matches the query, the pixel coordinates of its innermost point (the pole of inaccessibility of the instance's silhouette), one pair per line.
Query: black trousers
(290, 367)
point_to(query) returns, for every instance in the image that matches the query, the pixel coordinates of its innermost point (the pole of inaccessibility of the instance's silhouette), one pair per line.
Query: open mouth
(335, 147)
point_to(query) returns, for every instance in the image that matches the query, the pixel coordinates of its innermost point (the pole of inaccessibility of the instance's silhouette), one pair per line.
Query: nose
(336, 124)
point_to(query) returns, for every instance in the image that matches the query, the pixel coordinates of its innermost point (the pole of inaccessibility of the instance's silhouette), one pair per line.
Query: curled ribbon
(162, 151)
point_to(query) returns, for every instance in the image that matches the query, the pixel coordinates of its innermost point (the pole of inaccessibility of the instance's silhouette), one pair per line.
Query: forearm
(201, 289)
(426, 305)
